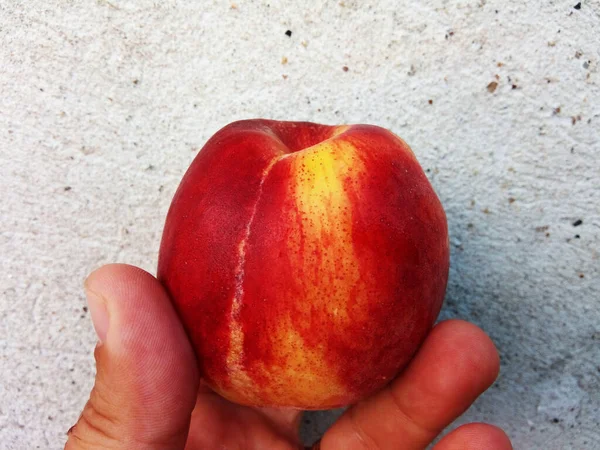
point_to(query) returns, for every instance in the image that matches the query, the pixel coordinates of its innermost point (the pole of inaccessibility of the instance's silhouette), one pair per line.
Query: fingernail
(99, 314)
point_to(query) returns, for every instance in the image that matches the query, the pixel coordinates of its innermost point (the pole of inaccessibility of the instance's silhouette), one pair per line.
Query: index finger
(456, 363)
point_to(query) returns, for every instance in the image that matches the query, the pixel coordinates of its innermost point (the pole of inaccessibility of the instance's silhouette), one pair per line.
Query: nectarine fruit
(307, 262)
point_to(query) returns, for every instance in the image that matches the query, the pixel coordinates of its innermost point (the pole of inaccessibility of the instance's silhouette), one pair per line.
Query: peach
(307, 262)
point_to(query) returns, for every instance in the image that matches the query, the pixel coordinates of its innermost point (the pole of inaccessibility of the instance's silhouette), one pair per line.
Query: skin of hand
(148, 393)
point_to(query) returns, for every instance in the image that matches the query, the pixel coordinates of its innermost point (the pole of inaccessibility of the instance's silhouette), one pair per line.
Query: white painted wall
(104, 104)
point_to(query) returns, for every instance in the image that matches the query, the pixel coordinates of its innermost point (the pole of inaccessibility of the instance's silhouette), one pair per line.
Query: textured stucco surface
(104, 104)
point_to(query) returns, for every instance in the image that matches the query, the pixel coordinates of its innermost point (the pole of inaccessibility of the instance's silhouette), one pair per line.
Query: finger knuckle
(95, 428)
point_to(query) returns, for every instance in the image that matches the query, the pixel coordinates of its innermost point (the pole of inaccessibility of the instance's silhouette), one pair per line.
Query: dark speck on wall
(430, 102)
(288, 33)
(136, 81)
(67, 188)
(577, 222)
(577, 6)
(345, 68)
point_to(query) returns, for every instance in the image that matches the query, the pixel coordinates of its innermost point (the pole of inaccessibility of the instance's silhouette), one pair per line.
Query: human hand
(147, 393)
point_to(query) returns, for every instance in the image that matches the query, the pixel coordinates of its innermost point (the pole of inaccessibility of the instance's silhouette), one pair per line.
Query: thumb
(146, 373)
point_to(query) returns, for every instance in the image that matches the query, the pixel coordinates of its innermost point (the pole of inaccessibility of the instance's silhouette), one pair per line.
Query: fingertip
(105, 284)
(126, 300)
(142, 318)
(471, 349)
(116, 275)
(137, 304)
(475, 436)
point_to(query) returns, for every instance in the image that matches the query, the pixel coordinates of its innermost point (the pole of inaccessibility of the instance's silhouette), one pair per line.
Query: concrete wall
(103, 104)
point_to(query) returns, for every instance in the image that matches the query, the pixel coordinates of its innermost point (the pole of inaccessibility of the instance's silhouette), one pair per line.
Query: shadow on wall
(315, 423)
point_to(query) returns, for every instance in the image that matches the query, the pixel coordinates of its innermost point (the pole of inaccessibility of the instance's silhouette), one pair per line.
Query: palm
(218, 423)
